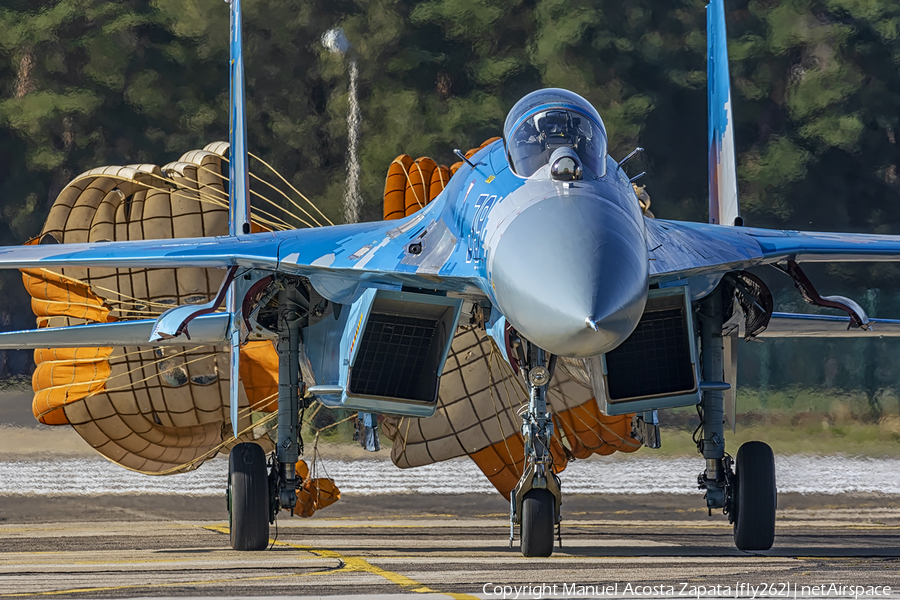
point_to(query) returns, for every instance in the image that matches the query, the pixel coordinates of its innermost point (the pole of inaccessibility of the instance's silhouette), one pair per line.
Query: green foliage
(797, 420)
(816, 91)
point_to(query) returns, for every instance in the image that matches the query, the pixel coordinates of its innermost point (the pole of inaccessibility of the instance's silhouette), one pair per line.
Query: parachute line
(275, 204)
(296, 191)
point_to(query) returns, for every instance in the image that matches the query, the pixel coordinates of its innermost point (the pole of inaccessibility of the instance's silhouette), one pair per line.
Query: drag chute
(154, 410)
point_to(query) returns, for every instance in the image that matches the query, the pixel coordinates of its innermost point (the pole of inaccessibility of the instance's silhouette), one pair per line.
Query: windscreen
(538, 136)
(552, 118)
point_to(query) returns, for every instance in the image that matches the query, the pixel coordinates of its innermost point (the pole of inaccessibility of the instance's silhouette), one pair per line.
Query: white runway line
(628, 475)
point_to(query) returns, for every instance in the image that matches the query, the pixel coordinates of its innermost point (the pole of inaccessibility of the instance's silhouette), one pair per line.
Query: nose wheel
(248, 498)
(754, 497)
(538, 520)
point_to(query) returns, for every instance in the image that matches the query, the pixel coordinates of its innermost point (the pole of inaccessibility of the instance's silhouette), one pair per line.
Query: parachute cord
(406, 434)
(410, 184)
(158, 373)
(285, 225)
(300, 447)
(213, 451)
(510, 375)
(97, 287)
(106, 379)
(424, 191)
(515, 466)
(200, 198)
(257, 194)
(557, 396)
(603, 425)
(296, 191)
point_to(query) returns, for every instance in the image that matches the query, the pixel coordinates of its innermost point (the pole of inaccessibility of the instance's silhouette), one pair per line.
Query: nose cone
(570, 274)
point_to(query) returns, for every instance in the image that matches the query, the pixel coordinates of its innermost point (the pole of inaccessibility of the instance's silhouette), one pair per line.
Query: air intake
(392, 353)
(656, 366)
(397, 357)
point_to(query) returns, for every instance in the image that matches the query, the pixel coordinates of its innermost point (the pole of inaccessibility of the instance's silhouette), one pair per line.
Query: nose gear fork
(534, 504)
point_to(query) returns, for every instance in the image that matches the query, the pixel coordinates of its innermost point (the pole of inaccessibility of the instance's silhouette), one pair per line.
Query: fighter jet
(540, 240)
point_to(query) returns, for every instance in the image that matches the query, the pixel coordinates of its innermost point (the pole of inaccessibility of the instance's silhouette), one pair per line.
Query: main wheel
(538, 520)
(248, 498)
(755, 497)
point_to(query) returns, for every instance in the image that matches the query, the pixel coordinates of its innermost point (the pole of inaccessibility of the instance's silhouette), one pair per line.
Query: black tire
(755, 497)
(248, 498)
(538, 521)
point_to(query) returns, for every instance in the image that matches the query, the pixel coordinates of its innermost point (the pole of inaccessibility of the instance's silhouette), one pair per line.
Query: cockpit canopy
(549, 119)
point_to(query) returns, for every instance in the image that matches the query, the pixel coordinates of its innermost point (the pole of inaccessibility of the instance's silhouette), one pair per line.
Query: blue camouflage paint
(723, 192)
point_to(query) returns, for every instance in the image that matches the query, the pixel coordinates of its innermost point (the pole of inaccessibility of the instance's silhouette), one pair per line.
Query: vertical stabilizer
(238, 176)
(238, 191)
(723, 191)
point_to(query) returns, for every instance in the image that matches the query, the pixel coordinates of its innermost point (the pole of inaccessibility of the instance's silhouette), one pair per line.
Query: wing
(206, 329)
(338, 259)
(680, 249)
(783, 325)
(255, 251)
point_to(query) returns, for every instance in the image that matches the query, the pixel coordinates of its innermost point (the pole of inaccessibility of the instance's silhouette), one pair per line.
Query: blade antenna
(238, 193)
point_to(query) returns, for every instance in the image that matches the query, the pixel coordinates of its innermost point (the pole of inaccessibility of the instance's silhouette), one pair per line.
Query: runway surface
(440, 546)
(601, 475)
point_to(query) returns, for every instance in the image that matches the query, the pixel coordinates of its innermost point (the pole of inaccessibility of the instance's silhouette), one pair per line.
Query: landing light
(539, 376)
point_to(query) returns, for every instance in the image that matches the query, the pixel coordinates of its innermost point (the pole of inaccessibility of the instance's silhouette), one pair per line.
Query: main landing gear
(534, 504)
(248, 498)
(747, 493)
(254, 495)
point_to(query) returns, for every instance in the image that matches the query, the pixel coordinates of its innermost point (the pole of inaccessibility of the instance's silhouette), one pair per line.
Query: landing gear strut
(535, 502)
(255, 497)
(747, 493)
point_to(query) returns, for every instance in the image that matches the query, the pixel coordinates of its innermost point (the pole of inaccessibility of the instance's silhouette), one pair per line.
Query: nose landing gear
(534, 504)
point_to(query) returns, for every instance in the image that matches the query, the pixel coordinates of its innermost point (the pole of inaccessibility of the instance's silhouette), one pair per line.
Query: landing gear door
(731, 346)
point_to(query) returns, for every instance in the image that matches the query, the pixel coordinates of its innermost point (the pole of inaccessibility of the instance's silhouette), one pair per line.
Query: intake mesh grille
(655, 360)
(393, 357)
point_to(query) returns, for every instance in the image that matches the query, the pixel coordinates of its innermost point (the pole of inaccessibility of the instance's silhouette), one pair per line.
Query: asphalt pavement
(451, 546)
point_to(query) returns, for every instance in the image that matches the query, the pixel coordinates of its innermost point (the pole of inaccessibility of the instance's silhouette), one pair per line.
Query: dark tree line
(815, 85)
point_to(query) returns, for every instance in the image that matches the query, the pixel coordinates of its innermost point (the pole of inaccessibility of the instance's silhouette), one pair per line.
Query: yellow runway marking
(354, 564)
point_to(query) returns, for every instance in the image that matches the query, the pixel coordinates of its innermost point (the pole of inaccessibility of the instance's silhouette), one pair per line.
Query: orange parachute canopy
(413, 184)
(55, 295)
(419, 184)
(150, 409)
(64, 375)
(314, 493)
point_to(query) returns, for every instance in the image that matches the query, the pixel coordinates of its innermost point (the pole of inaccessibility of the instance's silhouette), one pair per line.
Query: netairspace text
(685, 590)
